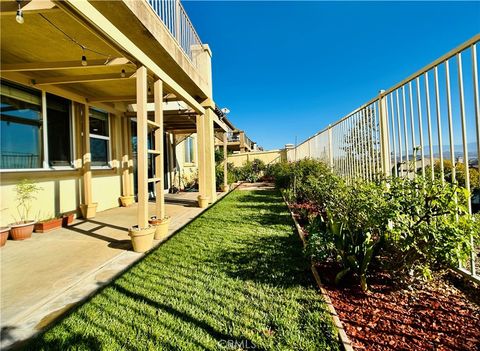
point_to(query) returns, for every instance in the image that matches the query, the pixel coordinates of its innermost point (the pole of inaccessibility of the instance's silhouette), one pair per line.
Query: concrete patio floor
(46, 275)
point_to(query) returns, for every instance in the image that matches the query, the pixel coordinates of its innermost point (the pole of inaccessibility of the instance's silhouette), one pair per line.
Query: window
(21, 127)
(189, 150)
(99, 138)
(58, 129)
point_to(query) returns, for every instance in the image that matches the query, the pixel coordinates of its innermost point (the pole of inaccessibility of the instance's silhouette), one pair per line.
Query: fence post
(384, 137)
(330, 146)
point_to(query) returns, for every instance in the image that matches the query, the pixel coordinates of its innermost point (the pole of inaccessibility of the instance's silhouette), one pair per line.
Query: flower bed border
(342, 335)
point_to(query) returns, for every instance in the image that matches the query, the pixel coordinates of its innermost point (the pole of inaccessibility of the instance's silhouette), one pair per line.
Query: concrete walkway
(46, 275)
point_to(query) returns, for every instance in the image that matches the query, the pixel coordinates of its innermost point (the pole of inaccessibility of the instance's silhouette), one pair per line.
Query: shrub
(250, 171)
(431, 227)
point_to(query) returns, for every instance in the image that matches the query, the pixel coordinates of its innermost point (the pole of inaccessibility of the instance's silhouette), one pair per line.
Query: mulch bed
(442, 314)
(435, 316)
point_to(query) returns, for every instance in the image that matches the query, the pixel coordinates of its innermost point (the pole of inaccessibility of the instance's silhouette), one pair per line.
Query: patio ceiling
(52, 42)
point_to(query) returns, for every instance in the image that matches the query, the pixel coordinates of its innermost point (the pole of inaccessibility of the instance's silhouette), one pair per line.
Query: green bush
(430, 228)
(408, 227)
(250, 171)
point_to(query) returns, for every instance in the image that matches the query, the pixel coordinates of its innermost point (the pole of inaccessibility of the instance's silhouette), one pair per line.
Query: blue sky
(288, 69)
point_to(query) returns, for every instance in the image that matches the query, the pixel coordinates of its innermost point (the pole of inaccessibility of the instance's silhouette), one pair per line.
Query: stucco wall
(269, 157)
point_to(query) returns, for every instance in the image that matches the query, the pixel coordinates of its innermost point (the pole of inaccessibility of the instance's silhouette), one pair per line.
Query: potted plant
(142, 238)
(4, 231)
(127, 200)
(67, 218)
(161, 226)
(203, 201)
(23, 228)
(48, 224)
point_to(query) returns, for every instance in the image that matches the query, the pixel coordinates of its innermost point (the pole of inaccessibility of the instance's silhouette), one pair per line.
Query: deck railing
(175, 18)
(422, 124)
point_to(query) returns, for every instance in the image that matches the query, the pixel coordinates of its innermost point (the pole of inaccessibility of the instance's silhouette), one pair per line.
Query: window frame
(72, 136)
(189, 150)
(44, 149)
(102, 137)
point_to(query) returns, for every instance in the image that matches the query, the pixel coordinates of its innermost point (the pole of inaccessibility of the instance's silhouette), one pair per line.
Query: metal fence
(427, 124)
(175, 18)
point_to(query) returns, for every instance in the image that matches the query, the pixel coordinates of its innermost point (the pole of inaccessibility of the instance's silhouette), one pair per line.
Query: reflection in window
(58, 128)
(20, 127)
(99, 138)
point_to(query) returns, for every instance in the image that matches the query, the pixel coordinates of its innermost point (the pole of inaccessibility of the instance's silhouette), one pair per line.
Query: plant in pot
(161, 226)
(49, 224)
(4, 232)
(23, 228)
(142, 238)
(67, 218)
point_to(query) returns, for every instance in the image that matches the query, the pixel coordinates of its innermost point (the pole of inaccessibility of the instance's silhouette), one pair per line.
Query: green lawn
(234, 278)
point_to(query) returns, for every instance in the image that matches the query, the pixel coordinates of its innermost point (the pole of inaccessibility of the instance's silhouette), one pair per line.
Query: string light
(149, 90)
(122, 74)
(19, 16)
(84, 58)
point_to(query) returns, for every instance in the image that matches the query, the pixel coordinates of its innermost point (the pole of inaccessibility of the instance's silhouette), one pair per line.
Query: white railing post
(330, 146)
(384, 137)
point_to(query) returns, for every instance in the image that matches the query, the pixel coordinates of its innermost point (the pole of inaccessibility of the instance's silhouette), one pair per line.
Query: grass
(234, 278)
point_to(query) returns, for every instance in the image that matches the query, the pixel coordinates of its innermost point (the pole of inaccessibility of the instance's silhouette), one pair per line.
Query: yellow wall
(58, 195)
(269, 157)
(186, 171)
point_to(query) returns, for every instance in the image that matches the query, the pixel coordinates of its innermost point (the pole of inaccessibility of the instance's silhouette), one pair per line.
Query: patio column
(159, 147)
(127, 188)
(210, 183)
(225, 162)
(202, 184)
(88, 208)
(142, 148)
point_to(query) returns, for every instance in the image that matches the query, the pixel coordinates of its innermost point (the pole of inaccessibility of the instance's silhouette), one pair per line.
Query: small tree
(26, 191)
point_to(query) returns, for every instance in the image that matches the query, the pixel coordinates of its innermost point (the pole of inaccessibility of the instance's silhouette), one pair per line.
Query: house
(104, 101)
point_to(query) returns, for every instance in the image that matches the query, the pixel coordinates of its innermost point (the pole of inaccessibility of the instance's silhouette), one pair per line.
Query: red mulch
(436, 316)
(443, 314)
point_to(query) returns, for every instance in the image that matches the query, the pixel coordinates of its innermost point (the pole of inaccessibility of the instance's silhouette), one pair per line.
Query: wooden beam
(126, 98)
(225, 161)
(54, 66)
(159, 171)
(142, 158)
(79, 79)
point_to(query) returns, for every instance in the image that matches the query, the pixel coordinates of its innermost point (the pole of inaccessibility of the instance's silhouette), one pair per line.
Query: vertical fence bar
(405, 130)
(400, 142)
(465, 150)
(420, 126)
(429, 126)
(394, 139)
(412, 124)
(476, 99)
(439, 123)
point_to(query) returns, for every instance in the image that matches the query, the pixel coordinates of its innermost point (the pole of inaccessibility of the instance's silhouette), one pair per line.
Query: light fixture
(19, 16)
(122, 74)
(149, 90)
(84, 58)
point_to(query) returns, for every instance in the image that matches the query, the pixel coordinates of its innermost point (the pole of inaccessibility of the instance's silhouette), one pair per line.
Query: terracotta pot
(67, 219)
(203, 201)
(22, 231)
(142, 239)
(46, 226)
(127, 200)
(89, 210)
(224, 188)
(4, 232)
(161, 227)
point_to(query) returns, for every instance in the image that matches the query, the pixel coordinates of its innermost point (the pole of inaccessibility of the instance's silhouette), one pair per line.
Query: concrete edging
(342, 335)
